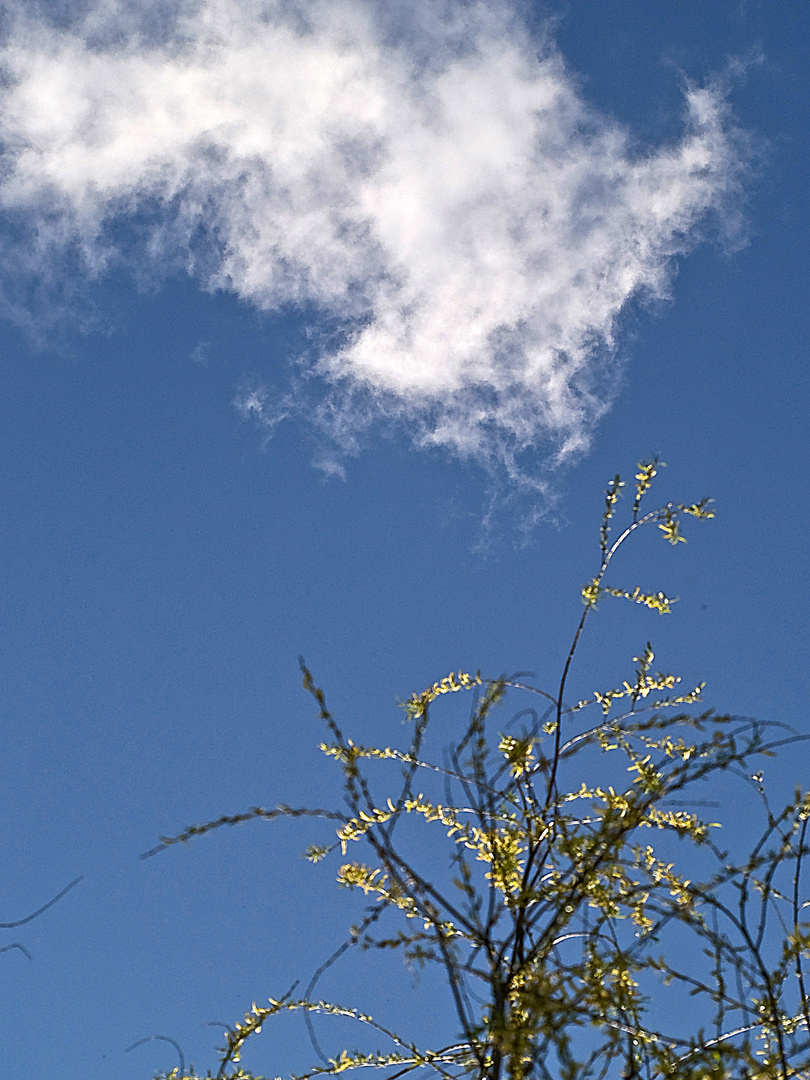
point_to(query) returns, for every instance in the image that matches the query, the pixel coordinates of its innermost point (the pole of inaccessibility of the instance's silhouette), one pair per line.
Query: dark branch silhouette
(161, 1038)
(39, 911)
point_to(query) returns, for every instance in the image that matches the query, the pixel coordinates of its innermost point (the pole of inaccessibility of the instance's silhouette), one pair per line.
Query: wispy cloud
(433, 186)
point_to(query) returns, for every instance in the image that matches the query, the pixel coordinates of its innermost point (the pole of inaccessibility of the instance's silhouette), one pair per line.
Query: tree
(35, 915)
(584, 929)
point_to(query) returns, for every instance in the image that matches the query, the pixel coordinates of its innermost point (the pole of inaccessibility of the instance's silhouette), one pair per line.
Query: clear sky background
(324, 327)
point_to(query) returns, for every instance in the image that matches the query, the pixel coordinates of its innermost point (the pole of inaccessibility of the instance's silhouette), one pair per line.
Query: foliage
(572, 930)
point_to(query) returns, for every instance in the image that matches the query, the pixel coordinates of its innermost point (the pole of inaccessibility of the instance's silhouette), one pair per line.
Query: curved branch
(39, 911)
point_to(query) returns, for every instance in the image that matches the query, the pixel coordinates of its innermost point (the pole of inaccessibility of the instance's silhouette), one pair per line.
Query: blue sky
(324, 327)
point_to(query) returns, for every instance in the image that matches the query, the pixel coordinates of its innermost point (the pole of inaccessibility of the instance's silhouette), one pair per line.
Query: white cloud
(433, 184)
